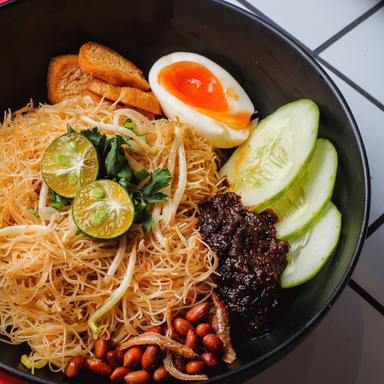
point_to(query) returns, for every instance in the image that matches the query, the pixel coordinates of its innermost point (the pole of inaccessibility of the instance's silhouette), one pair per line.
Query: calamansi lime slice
(69, 163)
(103, 210)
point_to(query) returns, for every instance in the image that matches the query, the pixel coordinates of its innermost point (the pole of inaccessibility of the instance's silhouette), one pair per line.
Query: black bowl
(273, 71)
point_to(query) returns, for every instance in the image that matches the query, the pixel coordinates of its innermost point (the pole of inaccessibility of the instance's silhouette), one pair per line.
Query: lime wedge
(69, 163)
(103, 210)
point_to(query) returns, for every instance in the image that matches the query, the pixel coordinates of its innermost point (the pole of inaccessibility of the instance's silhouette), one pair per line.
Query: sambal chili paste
(250, 259)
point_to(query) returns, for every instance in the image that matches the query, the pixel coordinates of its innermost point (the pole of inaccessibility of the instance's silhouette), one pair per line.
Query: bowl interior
(273, 71)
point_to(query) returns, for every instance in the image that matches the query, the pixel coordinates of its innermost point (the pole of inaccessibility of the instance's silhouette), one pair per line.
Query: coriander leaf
(123, 140)
(145, 219)
(115, 158)
(140, 176)
(149, 193)
(124, 183)
(96, 138)
(125, 172)
(148, 222)
(158, 196)
(70, 129)
(108, 143)
(127, 142)
(138, 201)
(116, 164)
(159, 179)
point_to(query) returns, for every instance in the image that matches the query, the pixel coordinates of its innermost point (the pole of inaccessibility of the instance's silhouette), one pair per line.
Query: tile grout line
(375, 225)
(348, 28)
(357, 287)
(254, 10)
(366, 296)
(351, 83)
(313, 53)
(260, 14)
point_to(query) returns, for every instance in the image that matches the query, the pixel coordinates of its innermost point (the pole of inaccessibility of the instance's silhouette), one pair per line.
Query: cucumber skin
(259, 207)
(288, 282)
(318, 213)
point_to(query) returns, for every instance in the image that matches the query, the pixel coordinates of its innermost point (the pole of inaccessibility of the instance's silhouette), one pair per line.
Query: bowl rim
(249, 370)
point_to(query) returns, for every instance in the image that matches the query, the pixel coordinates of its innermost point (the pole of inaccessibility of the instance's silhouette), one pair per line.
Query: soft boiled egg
(204, 96)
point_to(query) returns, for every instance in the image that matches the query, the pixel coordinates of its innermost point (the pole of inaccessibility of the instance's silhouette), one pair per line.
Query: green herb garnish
(116, 168)
(150, 193)
(34, 213)
(132, 127)
(58, 202)
(141, 175)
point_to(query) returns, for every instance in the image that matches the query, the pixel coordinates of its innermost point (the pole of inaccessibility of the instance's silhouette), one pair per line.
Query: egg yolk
(197, 87)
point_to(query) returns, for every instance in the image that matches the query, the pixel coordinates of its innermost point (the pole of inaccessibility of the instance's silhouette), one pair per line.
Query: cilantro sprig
(115, 166)
(150, 193)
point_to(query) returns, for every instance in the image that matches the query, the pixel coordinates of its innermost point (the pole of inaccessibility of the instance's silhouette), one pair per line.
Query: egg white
(217, 133)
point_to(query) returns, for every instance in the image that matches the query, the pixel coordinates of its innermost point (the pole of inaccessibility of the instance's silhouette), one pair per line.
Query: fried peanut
(197, 313)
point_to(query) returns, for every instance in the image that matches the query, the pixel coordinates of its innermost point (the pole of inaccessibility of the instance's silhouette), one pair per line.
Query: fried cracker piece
(126, 95)
(106, 64)
(65, 78)
(97, 98)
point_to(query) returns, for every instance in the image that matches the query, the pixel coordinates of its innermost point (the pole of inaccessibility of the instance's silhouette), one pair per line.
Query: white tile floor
(312, 21)
(348, 40)
(357, 48)
(370, 120)
(347, 347)
(369, 272)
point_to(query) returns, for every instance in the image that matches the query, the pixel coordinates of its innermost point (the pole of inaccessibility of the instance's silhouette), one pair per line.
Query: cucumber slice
(311, 249)
(305, 202)
(279, 149)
